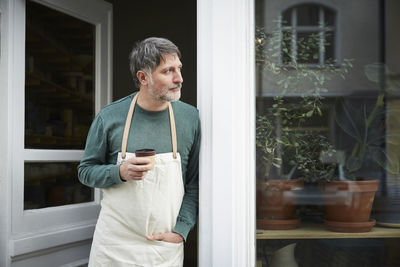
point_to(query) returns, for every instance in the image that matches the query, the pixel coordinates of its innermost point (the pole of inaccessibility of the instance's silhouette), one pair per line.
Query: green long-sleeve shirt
(149, 129)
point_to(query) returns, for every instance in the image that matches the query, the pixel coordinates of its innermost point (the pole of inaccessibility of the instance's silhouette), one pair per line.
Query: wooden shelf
(54, 90)
(53, 142)
(38, 139)
(318, 231)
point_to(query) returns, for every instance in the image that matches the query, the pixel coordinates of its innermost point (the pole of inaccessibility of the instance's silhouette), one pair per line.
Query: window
(327, 133)
(308, 35)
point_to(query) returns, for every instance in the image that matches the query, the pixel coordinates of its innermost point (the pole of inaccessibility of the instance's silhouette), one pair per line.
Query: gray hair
(147, 54)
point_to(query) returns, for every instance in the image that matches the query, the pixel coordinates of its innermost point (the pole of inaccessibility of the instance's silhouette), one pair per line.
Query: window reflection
(308, 32)
(327, 104)
(308, 15)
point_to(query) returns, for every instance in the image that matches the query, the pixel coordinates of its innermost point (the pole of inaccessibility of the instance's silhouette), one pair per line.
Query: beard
(169, 96)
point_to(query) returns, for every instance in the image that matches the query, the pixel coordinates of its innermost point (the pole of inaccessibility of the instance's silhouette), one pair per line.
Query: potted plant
(349, 198)
(386, 209)
(276, 205)
(299, 153)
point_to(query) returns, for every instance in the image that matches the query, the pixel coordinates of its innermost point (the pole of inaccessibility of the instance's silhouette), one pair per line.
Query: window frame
(30, 231)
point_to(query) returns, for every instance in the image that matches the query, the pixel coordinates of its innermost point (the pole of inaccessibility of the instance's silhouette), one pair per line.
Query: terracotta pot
(276, 203)
(349, 202)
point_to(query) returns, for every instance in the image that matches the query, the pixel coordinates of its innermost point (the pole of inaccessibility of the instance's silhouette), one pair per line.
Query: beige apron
(134, 209)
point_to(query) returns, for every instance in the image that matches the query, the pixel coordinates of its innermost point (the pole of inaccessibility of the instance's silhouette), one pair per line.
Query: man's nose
(178, 77)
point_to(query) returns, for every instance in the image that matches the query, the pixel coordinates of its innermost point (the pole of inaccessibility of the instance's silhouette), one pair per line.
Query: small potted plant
(299, 154)
(276, 204)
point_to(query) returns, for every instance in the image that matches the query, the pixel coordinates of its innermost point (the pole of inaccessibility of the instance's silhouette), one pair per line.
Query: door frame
(226, 101)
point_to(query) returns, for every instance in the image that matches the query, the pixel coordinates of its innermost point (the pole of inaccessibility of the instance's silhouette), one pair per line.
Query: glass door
(327, 135)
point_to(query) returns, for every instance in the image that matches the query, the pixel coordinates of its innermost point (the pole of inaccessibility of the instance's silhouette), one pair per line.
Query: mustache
(177, 85)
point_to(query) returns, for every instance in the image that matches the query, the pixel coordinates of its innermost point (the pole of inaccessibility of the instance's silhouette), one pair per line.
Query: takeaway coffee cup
(148, 153)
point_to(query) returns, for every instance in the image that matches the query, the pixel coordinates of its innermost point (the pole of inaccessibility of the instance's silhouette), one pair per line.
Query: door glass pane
(59, 79)
(327, 133)
(49, 184)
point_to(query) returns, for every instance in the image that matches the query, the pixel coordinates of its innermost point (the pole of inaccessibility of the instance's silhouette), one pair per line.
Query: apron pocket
(167, 252)
(167, 244)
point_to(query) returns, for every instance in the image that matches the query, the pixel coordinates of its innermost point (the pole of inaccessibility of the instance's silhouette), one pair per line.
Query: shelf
(38, 139)
(51, 142)
(55, 90)
(53, 177)
(318, 231)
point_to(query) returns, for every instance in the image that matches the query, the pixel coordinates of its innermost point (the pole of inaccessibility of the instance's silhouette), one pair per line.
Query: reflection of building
(308, 45)
(347, 26)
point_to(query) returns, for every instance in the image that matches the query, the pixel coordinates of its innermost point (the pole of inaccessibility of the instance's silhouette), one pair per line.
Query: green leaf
(388, 162)
(310, 113)
(353, 164)
(352, 129)
(374, 72)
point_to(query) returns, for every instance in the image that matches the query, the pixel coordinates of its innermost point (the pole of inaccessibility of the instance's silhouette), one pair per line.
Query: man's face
(167, 80)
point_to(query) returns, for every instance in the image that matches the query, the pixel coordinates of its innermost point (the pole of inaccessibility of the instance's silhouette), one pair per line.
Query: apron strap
(128, 126)
(173, 129)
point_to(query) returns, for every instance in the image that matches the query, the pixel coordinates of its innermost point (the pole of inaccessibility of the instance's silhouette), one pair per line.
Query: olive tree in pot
(276, 205)
(277, 194)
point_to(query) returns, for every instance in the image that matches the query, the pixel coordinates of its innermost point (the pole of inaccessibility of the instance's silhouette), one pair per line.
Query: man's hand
(166, 237)
(134, 169)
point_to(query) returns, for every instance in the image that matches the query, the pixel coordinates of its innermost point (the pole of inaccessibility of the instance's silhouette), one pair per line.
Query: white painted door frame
(226, 100)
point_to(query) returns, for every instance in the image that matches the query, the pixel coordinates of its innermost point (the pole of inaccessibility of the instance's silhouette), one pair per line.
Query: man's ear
(142, 77)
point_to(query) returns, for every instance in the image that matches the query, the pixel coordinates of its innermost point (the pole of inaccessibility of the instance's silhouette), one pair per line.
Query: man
(146, 213)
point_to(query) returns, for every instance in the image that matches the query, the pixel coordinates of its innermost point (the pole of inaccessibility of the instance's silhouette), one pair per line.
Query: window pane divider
(52, 155)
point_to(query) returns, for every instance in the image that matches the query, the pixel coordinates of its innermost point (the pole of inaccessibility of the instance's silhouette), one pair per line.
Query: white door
(59, 76)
